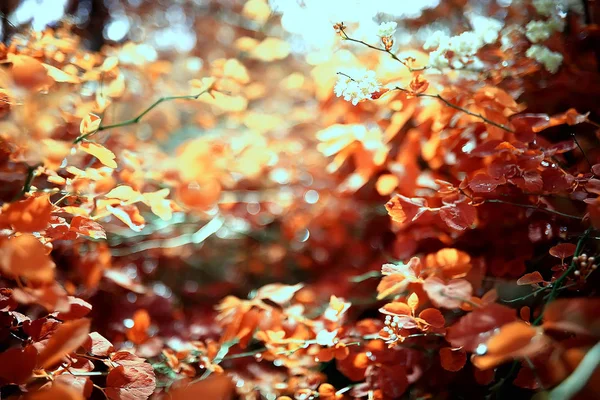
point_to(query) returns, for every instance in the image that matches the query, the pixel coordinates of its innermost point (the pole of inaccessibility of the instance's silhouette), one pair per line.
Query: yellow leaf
(104, 155)
(60, 76)
(413, 301)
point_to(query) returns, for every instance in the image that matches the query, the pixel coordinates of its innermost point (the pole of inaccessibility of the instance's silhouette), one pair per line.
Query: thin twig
(581, 149)
(382, 49)
(137, 119)
(459, 108)
(531, 206)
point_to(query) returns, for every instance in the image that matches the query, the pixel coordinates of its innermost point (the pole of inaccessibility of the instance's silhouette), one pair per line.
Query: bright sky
(312, 20)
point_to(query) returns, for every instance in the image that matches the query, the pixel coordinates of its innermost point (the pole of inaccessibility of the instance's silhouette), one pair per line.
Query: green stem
(28, 182)
(531, 206)
(557, 284)
(137, 119)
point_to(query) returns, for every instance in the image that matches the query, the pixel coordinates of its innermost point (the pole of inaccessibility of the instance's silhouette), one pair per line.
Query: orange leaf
(27, 257)
(452, 360)
(433, 317)
(452, 263)
(104, 155)
(66, 339)
(28, 72)
(87, 227)
(530, 279)
(29, 215)
(570, 117)
(514, 340)
(56, 391)
(138, 334)
(403, 209)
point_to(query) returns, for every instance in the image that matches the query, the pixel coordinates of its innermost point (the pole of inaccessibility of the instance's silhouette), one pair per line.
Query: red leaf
(16, 364)
(580, 315)
(393, 380)
(98, 345)
(215, 387)
(87, 227)
(563, 250)
(483, 183)
(79, 309)
(530, 279)
(452, 360)
(476, 327)
(133, 379)
(433, 317)
(66, 339)
(459, 216)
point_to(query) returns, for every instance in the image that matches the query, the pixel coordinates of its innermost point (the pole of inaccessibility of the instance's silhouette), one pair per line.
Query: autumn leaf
(433, 317)
(79, 308)
(27, 257)
(66, 339)
(403, 209)
(514, 340)
(278, 293)
(448, 295)
(17, 364)
(215, 387)
(28, 72)
(578, 315)
(562, 250)
(132, 379)
(58, 390)
(483, 183)
(459, 216)
(30, 215)
(570, 117)
(530, 279)
(474, 328)
(104, 155)
(452, 359)
(138, 334)
(98, 345)
(450, 263)
(87, 227)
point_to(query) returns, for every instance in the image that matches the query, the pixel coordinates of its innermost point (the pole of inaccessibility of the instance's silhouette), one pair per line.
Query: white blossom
(538, 31)
(462, 48)
(357, 86)
(326, 338)
(387, 29)
(551, 60)
(435, 40)
(486, 28)
(549, 8)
